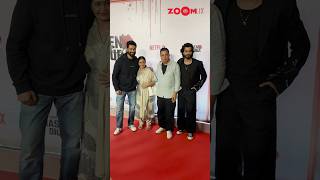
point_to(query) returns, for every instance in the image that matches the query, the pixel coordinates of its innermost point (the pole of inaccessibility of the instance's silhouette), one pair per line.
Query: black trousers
(187, 109)
(246, 135)
(166, 113)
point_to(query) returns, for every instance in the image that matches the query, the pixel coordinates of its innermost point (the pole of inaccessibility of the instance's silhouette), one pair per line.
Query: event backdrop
(154, 24)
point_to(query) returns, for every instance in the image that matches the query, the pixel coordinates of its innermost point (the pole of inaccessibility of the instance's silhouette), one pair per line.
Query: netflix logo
(155, 47)
(185, 11)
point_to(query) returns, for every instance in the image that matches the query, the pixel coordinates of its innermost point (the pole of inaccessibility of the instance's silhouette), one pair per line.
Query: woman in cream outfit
(145, 94)
(94, 162)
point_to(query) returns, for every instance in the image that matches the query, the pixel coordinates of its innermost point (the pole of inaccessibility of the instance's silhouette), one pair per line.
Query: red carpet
(12, 176)
(144, 155)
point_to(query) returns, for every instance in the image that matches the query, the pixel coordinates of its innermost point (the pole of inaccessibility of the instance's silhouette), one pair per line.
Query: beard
(189, 56)
(132, 54)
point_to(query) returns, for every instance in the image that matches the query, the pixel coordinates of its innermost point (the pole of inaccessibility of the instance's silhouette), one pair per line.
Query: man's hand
(268, 83)
(104, 79)
(119, 92)
(174, 97)
(28, 98)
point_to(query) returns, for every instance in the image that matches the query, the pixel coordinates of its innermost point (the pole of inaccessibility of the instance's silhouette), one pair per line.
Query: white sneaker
(190, 136)
(132, 128)
(169, 134)
(117, 131)
(160, 130)
(180, 132)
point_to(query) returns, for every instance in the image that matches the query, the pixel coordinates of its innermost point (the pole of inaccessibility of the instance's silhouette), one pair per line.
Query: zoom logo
(185, 11)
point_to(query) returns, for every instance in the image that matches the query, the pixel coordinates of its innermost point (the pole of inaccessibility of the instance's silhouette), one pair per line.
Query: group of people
(170, 81)
(54, 45)
(51, 48)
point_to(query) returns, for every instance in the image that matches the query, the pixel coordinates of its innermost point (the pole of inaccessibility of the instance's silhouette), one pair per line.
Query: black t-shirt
(186, 75)
(164, 68)
(71, 22)
(242, 40)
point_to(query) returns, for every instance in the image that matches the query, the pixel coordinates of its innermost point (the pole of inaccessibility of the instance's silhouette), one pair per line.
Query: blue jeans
(33, 121)
(120, 106)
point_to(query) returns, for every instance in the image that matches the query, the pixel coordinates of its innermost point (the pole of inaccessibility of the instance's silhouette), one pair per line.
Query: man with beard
(193, 76)
(124, 82)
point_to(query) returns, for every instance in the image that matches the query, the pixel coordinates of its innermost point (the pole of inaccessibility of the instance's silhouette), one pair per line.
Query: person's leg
(70, 114)
(132, 106)
(33, 121)
(169, 112)
(161, 112)
(260, 139)
(191, 108)
(140, 108)
(150, 112)
(119, 110)
(181, 121)
(228, 131)
(141, 123)
(169, 117)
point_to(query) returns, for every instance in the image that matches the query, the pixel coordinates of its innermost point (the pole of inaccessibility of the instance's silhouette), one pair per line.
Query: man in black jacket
(45, 56)
(193, 76)
(124, 82)
(259, 68)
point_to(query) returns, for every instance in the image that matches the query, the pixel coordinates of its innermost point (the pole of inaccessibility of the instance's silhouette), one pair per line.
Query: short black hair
(131, 43)
(164, 49)
(185, 46)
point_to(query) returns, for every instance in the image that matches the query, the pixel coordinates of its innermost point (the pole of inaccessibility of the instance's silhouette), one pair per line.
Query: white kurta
(95, 145)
